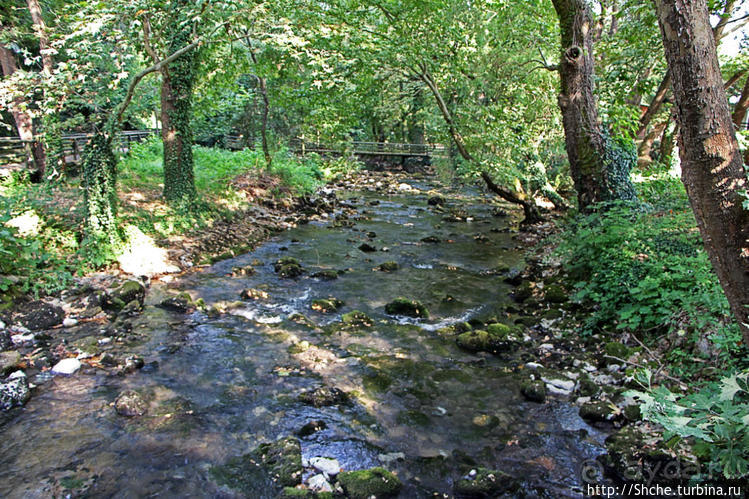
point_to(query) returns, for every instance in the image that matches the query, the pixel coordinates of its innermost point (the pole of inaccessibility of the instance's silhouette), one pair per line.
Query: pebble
(327, 465)
(2, 325)
(546, 346)
(533, 365)
(439, 411)
(67, 366)
(562, 384)
(319, 483)
(69, 322)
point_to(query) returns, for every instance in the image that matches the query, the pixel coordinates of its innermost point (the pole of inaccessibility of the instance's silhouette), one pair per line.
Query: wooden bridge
(358, 148)
(15, 152)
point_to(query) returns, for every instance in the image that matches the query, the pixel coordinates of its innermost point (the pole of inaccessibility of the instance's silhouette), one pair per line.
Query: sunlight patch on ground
(141, 256)
(28, 223)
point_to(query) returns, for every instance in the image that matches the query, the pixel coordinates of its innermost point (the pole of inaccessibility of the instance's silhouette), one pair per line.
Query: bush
(715, 417)
(642, 269)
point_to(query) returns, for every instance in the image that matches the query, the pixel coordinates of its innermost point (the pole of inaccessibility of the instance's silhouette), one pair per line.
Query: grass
(41, 224)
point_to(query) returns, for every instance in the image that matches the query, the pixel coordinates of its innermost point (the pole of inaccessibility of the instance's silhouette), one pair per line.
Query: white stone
(17, 374)
(390, 457)
(105, 341)
(557, 391)
(2, 325)
(67, 366)
(533, 365)
(546, 346)
(404, 187)
(69, 322)
(564, 385)
(439, 411)
(582, 400)
(20, 339)
(472, 473)
(319, 483)
(325, 464)
(604, 379)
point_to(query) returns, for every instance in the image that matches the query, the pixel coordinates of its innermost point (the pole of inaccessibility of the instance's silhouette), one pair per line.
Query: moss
(486, 483)
(356, 318)
(598, 410)
(556, 294)
(616, 349)
(497, 338)
(523, 291)
(588, 387)
(247, 270)
(375, 482)
(326, 275)
(452, 375)
(129, 291)
(293, 492)
(297, 348)
(388, 266)
(377, 382)
(453, 329)
(534, 390)
(100, 189)
(326, 305)
(409, 308)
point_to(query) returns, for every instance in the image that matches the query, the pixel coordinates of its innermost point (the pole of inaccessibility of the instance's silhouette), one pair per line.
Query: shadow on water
(219, 385)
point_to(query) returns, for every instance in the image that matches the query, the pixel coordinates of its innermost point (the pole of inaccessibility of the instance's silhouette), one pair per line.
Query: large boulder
(288, 267)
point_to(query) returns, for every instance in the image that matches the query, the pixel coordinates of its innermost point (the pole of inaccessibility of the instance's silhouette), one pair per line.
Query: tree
(712, 167)
(599, 170)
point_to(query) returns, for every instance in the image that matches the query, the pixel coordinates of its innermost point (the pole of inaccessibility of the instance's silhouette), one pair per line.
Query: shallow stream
(218, 385)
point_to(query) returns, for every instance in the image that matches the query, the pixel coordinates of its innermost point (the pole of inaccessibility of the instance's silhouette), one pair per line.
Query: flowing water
(218, 386)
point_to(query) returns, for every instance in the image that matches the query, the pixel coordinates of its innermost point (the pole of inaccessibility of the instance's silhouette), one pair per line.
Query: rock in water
(484, 483)
(8, 361)
(67, 367)
(375, 482)
(14, 391)
(327, 465)
(324, 396)
(409, 308)
(319, 483)
(130, 404)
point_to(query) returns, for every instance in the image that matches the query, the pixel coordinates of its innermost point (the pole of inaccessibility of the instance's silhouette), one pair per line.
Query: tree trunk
(598, 174)
(51, 133)
(178, 78)
(415, 124)
(530, 209)
(100, 192)
(266, 107)
(654, 106)
(24, 122)
(739, 112)
(645, 148)
(712, 167)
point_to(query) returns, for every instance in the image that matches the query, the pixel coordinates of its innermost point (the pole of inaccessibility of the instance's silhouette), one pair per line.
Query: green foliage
(645, 269)
(32, 250)
(716, 417)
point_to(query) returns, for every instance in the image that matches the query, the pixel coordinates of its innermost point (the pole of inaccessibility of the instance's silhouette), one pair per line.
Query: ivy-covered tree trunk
(178, 78)
(599, 167)
(712, 166)
(100, 188)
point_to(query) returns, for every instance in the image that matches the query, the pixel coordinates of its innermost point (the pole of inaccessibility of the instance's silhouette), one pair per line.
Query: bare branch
(147, 39)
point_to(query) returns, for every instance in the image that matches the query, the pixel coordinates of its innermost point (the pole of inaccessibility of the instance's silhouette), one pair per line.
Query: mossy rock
(388, 267)
(534, 390)
(377, 382)
(8, 361)
(523, 291)
(326, 275)
(556, 294)
(374, 482)
(326, 305)
(598, 411)
(247, 270)
(486, 483)
(356, 318)
(454, 329)
(616, 349)
(297, 348)
(588, 387)
(288, 267)
(282, 459)
(38, 315)
(253, 294)
(269, 467)
(406, 307)
(495, 339)
(129, 291)
(181, 303)
(324, 397)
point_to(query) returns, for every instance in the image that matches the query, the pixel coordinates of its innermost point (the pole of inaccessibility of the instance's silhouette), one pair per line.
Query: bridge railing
(369, 148)
(16, 150)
